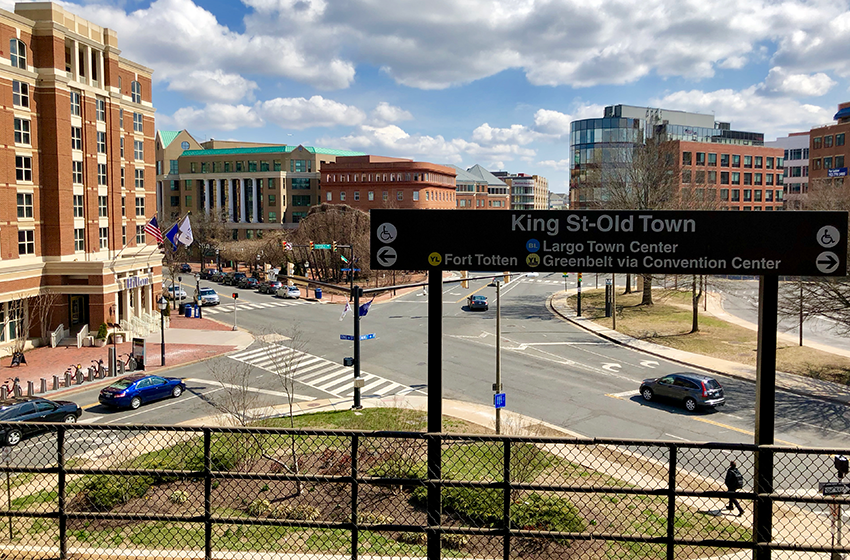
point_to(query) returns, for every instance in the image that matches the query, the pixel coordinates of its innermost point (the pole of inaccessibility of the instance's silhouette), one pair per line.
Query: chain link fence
(93, 491)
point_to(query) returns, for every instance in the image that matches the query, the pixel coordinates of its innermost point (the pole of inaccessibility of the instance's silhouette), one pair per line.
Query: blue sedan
(134, 390)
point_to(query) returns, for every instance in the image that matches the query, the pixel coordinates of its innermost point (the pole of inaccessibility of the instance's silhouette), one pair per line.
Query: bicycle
(130, 364)
(13, 389)
(101, 371)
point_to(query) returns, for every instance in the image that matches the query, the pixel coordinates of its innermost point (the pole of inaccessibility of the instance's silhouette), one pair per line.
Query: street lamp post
(198, 296)
(163, 305)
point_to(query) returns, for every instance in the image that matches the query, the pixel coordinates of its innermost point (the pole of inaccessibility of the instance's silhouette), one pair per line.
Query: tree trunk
(695, 295)
(647, 290)
(628, 289)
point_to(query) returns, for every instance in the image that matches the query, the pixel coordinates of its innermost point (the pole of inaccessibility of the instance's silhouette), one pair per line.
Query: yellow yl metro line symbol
(434, 259)
(533, 260)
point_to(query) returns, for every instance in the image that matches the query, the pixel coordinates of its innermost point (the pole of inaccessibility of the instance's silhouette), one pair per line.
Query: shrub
(259, 507)
(102, 331)
(454, 542)
(413, 538)
(178, 497)
(295, 512)
(104, 492)
(369, 517)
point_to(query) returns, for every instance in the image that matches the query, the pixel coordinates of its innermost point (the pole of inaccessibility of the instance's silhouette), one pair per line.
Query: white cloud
(779, 81)
(300, 113)
(215, 116)
(215, 86)
(748, 110)
(517, 133)
(560, 165)
(551, 122)
(385, 113)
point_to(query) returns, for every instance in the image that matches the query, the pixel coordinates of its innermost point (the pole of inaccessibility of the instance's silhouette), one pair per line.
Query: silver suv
(692, 390)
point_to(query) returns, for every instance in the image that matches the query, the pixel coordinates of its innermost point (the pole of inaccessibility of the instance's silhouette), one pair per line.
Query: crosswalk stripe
(252, 389)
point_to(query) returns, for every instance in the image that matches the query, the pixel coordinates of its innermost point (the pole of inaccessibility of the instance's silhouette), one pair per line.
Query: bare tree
(42, 306)
(19, 316)
(209, 231)
(335, 222)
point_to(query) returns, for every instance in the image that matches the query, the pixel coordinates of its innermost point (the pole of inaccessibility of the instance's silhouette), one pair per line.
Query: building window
(748, 178)
(101, 174)
(138, 124)
(839, 161)
(816, 163)
(301, 165)
(301, 183)
(276, 165)
(712, 177)
(724, 177)
(271, 183)
(136, 94)
(817, 143)
(700, 158)
(757, 196)
(736, 161)
(76, 103)
(264, 166)
(298, 216)
(78, 206)
(140, 178)
(240, 166)
(724, 194)
(748, 161)
(24, 205)
(768, 196)
(757, 179)
(79, 239)
(120, 115)
(188, 200)
(768, 179)
(724, 160)
(341, 198)
(175, 201)
(26, 242)
(123, 235)
(188, 185)
(252, 166)
(77, 172)
(23, 168)
(385, 195)
(736, 195)
(827, 141)
(356, 195)
(102, 206)
(329, 196)
(22, 131)
(272, 217)
(140, 206)
(686, 158)
(686, 175)
(748, 195)
(172, 166)
(100, 106)
(839, 139)
(371, 195)
(18, 53)
(140, 235)
(121, 148)
(768, 162)
(415, 195)
(101, 142)
(138, 150)
(827, 162)
(20, 94)
(103, 235)
(76, 138)
(736, 178)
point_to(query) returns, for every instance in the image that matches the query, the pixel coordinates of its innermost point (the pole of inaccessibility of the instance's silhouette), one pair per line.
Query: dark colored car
(134, 390)
(217, 276)
(692, 390)
(207, 273)
(33, 409)
(185, 267)
(249, 283)
(270, 287)
(233, 278)
(477, 302)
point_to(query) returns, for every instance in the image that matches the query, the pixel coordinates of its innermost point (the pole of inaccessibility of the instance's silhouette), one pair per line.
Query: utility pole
(355, 293)
(497, 387)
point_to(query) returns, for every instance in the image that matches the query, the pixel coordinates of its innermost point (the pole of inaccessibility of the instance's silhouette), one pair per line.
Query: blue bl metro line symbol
(532, 245)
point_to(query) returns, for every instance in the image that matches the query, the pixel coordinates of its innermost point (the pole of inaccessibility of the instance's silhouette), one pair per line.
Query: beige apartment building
(77, 188)
(257, 187)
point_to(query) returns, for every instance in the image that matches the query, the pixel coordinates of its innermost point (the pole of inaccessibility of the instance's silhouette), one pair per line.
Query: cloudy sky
(493, 82)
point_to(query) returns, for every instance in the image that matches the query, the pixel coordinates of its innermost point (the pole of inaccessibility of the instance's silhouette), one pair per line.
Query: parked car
(233, 278)
(692, 390)
(289, 292)
(249, 283)
(185, 267)
(217, 276)
(477, 302)
(33, 409)
(208, 296)
(207, 273)
(134, 390)
(270, 287)
(175, 292)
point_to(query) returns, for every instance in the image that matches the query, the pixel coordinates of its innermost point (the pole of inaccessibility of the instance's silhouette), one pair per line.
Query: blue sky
(477, 81)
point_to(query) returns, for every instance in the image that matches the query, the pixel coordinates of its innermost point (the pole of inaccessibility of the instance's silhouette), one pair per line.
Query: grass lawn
(668, 322)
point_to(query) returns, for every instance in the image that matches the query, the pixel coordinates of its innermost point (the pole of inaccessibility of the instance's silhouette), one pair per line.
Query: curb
(600, 333)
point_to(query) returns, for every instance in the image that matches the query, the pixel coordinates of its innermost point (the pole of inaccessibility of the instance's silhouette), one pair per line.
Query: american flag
(152, 228)
(287, 246)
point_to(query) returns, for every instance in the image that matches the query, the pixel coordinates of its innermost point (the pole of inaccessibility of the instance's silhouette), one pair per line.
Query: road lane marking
(622, 396)
(251, 389)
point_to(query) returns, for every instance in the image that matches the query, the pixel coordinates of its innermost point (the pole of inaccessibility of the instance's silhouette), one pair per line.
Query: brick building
(829, 152)
(366, 182)
(79, 129)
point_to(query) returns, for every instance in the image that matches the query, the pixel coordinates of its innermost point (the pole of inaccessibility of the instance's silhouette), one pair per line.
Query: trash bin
(196, 311)
(318, 293)
(181, 308)
(187, 310)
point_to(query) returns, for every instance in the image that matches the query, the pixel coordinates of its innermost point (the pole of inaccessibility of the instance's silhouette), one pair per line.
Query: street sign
(643, 241)
(349, 270)
(367, 336)
(499, 400)
(346, 337)
(321, 245)
(833, 488)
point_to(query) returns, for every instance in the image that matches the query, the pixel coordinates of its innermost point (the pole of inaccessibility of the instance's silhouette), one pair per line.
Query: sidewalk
(186, 341)
(795, 384)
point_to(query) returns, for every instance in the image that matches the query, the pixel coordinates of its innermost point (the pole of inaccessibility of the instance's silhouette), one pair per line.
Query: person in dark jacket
(734, 482)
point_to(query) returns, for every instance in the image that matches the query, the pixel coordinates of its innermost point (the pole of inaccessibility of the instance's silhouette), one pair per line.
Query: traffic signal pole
(355, 293)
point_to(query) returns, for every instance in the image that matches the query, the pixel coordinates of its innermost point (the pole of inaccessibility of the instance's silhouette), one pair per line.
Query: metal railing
(84, 332)
(151, 491)
(57, 335)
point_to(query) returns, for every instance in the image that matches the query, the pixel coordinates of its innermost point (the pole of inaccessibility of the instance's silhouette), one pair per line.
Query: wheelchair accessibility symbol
(387, 233)
(434, 259)
(533, 260)
(828, 236)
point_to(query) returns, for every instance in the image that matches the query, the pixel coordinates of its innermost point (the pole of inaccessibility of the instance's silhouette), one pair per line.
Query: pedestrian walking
(734, 482)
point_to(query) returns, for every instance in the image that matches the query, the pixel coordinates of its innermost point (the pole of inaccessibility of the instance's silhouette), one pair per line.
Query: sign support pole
(435, 408)
(498, 386)
(765, 410)
(355, 294)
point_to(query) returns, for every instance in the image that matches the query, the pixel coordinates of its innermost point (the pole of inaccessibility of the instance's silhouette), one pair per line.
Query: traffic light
(333, 246)
(311, 245)
(579, 276)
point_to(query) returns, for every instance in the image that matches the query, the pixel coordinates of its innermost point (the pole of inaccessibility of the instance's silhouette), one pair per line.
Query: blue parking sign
(499, 400)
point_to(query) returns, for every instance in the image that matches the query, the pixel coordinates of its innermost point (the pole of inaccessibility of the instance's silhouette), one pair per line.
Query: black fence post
(207, 494)
(506, 505)
(60, 489)
(355, 490)
(435, 412)
(765, 415)
(671, 501)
